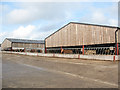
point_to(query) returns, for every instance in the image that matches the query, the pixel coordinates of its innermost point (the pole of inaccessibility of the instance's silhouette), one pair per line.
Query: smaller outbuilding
(22, 45)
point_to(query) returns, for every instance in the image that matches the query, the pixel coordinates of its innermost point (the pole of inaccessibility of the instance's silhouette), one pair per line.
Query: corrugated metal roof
(25, 41)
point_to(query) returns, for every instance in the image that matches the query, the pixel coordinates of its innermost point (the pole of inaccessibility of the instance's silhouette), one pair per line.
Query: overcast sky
(37, 20)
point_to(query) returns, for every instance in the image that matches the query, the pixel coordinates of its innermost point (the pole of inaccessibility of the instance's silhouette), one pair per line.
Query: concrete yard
(21, 71)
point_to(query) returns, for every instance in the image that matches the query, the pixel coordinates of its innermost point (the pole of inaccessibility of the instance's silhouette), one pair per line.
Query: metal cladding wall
(76, 34)
(27, 45)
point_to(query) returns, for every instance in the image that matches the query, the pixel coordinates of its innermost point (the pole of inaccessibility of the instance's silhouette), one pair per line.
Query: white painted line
(74, 75)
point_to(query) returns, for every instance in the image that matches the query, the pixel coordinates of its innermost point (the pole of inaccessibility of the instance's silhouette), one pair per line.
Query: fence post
(113, 58)
(53, 55)
(78, 56)
(37, 53)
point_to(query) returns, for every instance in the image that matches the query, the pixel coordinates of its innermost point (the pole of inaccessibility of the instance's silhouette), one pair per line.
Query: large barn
(22, 45)
(82, 38)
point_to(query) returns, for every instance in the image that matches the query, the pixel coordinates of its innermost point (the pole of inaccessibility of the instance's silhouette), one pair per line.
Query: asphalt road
(20, 71)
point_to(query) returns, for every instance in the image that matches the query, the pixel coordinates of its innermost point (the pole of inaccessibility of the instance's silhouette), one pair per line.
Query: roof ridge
(95, 24)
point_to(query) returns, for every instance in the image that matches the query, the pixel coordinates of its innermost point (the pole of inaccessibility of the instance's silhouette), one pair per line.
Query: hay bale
(68, 51)
(89, 52)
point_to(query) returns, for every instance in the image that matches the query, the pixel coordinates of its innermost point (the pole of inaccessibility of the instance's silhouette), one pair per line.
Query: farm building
(81, 38)
(22, 45)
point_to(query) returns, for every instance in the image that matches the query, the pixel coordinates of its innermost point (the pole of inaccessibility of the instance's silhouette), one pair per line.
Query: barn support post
(83, 49)
(62, 50)
(117, 49)
(45, 50)
(116, 41)
(11, 46)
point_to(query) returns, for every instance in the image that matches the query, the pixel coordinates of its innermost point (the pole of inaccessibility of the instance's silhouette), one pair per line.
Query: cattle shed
(22, 45)
(82, 38)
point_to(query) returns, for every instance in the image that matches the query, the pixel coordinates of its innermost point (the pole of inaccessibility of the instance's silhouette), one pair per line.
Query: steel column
(83, 50)
(117, 49)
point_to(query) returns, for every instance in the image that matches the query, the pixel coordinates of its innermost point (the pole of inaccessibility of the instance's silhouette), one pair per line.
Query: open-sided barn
(10, 44)
(84, 38)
